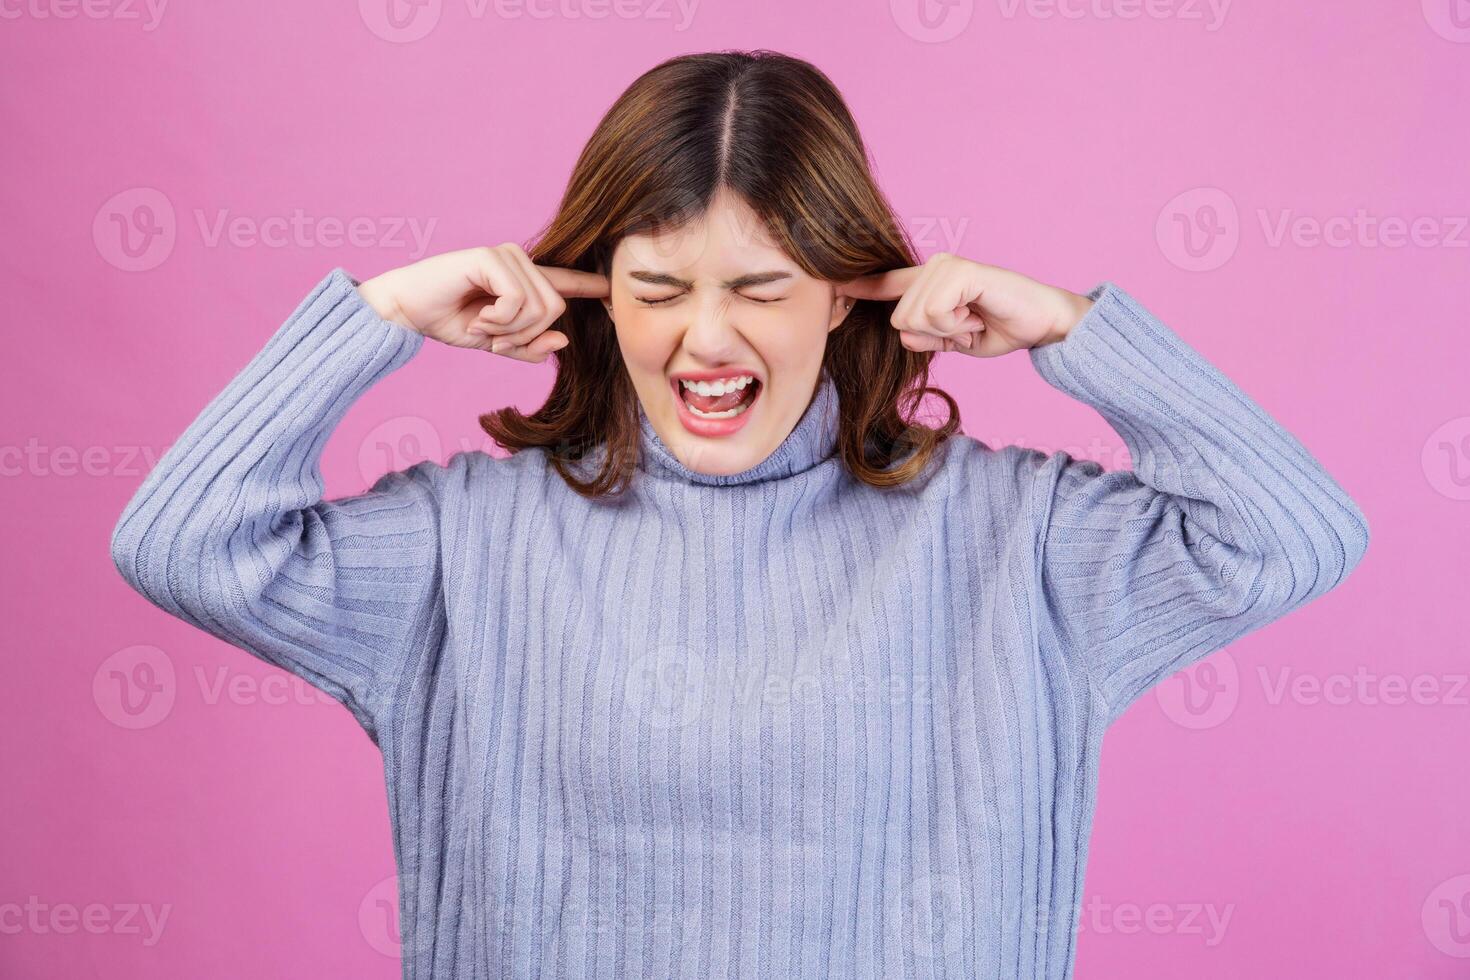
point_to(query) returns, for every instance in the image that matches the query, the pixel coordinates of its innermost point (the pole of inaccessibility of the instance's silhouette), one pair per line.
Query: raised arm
(229, 531)
(1224, 524)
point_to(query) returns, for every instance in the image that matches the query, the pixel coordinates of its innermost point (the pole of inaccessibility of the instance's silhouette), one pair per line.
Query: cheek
(646, 343)
(791, 333)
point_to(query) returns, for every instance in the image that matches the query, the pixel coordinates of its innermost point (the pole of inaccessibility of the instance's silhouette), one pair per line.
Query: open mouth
(726, 398)
(716, 406)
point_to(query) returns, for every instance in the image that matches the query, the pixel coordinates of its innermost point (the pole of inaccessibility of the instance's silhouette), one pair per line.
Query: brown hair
(773, 129)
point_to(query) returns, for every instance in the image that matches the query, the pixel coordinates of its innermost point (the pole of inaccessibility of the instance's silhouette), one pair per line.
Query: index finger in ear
(881, 285)
(576, 283)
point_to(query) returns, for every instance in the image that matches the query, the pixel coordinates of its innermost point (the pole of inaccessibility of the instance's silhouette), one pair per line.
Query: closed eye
(656, 301)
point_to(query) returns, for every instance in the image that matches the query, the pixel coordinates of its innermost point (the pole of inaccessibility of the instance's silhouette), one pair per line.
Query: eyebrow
(739, 282)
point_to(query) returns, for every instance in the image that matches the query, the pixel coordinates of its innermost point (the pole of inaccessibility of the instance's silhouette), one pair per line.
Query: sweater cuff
(1116, 328)
(1048, 357)
(340, 286)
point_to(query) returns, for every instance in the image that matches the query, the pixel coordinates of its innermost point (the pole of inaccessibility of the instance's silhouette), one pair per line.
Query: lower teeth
(728, 413)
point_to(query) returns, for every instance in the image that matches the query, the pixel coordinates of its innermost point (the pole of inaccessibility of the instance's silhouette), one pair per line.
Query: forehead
(728, 238)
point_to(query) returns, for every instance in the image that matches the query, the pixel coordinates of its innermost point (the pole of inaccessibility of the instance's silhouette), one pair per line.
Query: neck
(812, 441)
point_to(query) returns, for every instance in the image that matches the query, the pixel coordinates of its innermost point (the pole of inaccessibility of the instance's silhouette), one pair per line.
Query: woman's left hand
(952, 303)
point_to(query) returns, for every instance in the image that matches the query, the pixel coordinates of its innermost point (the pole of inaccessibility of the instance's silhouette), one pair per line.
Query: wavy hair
(773, 129)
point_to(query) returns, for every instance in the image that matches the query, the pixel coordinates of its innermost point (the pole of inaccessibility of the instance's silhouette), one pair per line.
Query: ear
(841, 306)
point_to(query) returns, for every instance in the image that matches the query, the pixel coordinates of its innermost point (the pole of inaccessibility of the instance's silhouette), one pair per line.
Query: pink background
(1244, 828)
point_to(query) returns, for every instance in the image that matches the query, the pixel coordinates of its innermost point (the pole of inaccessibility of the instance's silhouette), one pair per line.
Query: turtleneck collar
(812, 440)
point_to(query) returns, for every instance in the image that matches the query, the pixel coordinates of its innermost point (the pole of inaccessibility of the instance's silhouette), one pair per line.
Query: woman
(730, 669)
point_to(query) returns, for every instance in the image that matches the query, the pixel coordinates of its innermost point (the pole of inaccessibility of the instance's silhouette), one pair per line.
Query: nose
(711, 336)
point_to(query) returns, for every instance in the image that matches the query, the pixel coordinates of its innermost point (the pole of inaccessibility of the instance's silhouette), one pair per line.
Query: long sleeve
(1224, 524)
(230, 533)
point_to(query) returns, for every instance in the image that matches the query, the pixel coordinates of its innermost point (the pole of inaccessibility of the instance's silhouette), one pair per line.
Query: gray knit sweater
(776, 724)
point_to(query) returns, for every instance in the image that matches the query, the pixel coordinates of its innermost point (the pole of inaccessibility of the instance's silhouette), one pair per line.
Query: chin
(715, 457)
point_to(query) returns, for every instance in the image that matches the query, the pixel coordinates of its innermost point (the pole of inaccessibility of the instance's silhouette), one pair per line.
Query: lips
(713, 404)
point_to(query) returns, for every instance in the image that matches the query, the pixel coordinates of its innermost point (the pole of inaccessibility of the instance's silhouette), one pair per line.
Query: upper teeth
(723, 386)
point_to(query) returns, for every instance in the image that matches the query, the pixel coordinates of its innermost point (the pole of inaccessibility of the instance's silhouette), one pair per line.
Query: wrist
(1071, 308)
(377, 295)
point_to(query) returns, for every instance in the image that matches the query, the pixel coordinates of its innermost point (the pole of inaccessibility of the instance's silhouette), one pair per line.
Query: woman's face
(717, 303)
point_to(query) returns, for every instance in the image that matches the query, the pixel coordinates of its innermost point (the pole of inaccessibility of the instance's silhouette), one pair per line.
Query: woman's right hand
(483, 298)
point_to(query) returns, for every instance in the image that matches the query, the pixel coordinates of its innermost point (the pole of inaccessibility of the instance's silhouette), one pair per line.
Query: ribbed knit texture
(779, 724)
